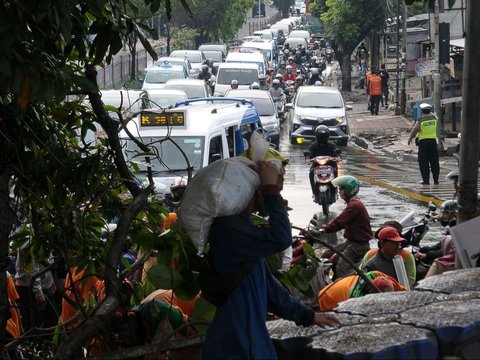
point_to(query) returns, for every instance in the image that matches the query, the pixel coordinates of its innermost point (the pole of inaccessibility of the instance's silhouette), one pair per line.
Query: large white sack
(222, 188)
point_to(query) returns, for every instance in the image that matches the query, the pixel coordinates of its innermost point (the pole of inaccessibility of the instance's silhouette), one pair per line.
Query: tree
(347, 23)
(64, 187)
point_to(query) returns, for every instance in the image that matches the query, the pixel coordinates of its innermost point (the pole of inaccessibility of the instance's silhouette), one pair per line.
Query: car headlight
(340, 119)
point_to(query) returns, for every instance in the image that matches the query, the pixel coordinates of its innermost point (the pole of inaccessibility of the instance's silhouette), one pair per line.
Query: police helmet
(449, 206)
(255, 86)
(453, 175)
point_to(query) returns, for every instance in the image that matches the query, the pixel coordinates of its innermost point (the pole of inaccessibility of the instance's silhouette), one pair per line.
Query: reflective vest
(428, 127)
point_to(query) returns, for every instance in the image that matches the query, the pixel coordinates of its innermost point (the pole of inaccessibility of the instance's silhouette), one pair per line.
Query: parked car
(318, 105)
(162, 98)
(157, 75)
(263, 102)
(194, 88)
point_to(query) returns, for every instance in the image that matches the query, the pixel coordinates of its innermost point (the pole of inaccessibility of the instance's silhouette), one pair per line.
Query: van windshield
(167, 157)
(243, 76)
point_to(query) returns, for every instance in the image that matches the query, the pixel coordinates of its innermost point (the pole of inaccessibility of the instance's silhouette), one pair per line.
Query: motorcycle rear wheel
(325, 203)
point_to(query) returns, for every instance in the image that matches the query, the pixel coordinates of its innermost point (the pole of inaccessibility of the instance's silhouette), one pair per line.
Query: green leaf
(163, 277)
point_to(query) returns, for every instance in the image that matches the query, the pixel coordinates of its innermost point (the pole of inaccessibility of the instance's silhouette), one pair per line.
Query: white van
(267, 47)
(282, 26)
(204, 129)
(248, 55)
(245, 74)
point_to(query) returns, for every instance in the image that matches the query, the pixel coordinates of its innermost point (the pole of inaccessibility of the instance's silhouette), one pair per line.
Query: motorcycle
(280, 107)
(290, 90)
(414, 229)
(323, 174)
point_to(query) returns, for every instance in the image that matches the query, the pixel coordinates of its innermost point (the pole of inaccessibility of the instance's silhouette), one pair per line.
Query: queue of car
(185, 91)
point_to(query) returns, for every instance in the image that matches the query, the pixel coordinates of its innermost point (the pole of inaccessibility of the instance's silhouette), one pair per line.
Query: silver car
(263, 102)
(318, 105)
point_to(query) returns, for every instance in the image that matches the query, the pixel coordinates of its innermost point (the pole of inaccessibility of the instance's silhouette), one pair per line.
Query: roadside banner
(424, 67)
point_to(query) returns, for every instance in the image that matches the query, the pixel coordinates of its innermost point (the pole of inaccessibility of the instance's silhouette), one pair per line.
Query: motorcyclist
(355, 220)
(313, 62)
(209, 63)
(289, 75)
(291, 62)
(205, 73)
(426, 255)
(299, 82)
(262, 81)
(234, 84)
(314, 76)
(276, 91)
(321, 147)
(283, 68)
(255, 86)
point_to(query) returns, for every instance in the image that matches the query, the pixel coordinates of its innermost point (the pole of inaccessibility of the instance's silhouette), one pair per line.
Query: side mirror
(348, 107)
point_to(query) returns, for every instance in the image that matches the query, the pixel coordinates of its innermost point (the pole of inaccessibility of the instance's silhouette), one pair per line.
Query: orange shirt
(375, 85)
(84, 285)
(14, 323)
(333, 294)
(368, 75)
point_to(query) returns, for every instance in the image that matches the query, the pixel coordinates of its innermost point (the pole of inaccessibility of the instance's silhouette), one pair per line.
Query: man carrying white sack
(237, 256)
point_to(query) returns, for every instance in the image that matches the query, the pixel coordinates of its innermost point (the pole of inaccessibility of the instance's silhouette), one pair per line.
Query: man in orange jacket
(376, 90)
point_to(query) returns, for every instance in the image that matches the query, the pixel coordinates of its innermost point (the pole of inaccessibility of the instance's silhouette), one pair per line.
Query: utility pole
(403, 94)
(469, 145)
(397, 86)
(437, 79)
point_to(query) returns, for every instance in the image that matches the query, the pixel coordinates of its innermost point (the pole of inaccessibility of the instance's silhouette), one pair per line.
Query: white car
(194, 88)
(318, 105)
(263, 102)
(162, 98)
(196, 57)
(245, 74)
(157, 75)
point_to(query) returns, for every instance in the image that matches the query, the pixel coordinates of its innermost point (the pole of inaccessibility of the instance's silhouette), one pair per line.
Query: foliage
(225, 17)
(347, 22)
(183, 37)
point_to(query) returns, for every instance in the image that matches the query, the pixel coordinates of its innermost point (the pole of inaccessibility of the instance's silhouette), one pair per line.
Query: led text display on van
(175, 118)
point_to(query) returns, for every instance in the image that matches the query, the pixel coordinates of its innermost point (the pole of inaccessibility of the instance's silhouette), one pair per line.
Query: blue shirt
(239, 329)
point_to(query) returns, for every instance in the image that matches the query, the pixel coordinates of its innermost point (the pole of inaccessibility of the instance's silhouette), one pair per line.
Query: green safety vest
(428, 127)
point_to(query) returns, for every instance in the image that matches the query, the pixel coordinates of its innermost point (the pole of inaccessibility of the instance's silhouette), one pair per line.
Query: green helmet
(350, 184)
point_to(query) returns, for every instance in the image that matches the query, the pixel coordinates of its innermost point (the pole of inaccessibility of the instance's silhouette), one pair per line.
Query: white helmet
(276, 82)
(255, 86)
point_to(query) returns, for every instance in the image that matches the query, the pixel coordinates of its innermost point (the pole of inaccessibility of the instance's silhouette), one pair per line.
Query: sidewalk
(386, 133)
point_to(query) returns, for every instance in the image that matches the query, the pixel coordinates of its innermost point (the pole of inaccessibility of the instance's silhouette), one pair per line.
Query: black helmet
(322, 134)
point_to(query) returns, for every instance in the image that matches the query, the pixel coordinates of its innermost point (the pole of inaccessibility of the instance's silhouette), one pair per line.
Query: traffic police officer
(426, 130)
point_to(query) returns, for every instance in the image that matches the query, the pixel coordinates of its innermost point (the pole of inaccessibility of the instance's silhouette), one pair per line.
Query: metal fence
(119, 70)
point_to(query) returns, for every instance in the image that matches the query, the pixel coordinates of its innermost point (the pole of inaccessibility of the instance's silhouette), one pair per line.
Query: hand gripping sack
(223, 188)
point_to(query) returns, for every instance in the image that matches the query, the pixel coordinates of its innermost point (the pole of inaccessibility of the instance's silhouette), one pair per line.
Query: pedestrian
(385, 77)
(381, 259)
(375, 90)
(354, 219)
(426, 130)
(354, 286)
(368, 75)
(237, 252)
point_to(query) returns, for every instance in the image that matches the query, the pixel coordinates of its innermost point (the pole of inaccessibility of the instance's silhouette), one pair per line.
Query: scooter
(323, 174)
(414, 229)
(280, 107)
